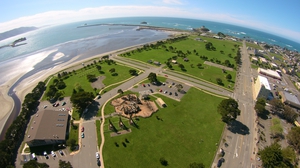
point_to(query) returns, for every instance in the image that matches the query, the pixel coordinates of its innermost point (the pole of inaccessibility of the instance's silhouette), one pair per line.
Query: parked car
(151, 90)
(46, 155)
(61, 152)
(148, 84)
(176, 94)
(97, 155)
(160, 90)
(82, 129)
(64, 103)
(144, 85)
(45, 106)
(220, 161)
(82, 135)
(53, 154)
(33, 156)
(170, 93)
(165, 92)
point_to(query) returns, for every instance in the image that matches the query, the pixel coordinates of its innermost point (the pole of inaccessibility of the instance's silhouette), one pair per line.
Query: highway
(241, 149)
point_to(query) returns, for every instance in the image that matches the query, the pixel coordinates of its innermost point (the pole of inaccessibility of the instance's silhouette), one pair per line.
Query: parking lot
(168, 88)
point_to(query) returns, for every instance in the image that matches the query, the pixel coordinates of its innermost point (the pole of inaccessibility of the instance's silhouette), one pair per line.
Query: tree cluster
(152, 77)
(54, 91)
(91, 77)
(293, 138)
(15, 133)
(210, 47)
(81, 99)
(229, 110)
(238, 57)
(275, 157)
(260, 106)
(35, 164)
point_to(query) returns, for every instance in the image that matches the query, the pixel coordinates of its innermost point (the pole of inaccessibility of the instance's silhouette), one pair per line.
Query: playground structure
(131, 105)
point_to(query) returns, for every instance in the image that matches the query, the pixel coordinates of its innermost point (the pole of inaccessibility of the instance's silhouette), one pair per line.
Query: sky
(278, 17)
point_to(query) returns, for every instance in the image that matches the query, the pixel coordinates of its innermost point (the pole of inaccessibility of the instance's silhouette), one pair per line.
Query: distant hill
(15, 32)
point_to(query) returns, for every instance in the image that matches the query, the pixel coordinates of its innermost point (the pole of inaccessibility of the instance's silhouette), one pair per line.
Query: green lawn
(74, 133)
(208, 73)
(187, 133)
(98, 132)
(278, 56)
(79, 77)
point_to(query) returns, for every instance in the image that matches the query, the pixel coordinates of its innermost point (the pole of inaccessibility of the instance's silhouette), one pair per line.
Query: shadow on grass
(238, 128)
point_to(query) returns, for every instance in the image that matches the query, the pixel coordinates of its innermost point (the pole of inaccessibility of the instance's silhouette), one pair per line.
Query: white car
(97, 155)
(53, 154)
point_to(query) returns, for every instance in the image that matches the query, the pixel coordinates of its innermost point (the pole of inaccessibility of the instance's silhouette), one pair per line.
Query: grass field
(186, 132)
(207, 72)
(74, 133)
(79, 78)
(98, 132)
(278, 56)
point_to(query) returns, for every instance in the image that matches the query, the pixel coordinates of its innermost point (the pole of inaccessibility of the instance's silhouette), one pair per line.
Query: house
(254, 59)
(269, 72)
(289, 99)
(263, 60)
(47, 127)
(185, 59)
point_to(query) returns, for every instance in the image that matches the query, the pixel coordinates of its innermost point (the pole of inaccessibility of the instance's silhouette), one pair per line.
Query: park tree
(98, 67)
(219, 81)
(64, 164)
(271, 156)
(196, 165)
(289, 155)
(152, 77)
(61, 85)
(229, 110)
(276, 105)
(289, 114)
(276, 128)
(91, 77)
(82, 99)
(132, 72)
(72, 143)
(181, 66)
(120, 91)
(228, 77)
(260, 105)
(112, 70)
(293, 138)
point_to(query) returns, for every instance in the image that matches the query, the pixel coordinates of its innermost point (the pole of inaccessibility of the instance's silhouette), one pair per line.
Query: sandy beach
(29, 83)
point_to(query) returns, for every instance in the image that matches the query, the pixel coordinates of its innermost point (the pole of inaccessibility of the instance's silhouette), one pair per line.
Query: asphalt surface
(241, 141)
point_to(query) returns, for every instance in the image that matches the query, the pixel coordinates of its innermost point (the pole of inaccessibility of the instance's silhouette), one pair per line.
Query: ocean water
(53, 45)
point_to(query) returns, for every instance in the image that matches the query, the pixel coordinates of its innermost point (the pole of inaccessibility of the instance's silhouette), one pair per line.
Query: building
(262, 88)
(274, 65)
(269, 72)
(47, 127)
(254, 59)
(289, 99)
(263, 60)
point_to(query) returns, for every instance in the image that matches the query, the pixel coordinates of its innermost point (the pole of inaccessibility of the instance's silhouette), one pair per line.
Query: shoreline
(25, 87)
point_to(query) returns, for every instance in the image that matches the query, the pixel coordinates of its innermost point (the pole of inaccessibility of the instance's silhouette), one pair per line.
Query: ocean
(53, 45)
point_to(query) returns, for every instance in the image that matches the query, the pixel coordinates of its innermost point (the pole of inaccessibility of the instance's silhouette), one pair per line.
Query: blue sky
(276, 16)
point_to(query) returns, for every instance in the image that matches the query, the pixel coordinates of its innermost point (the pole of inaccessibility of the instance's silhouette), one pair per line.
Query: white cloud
(66, 16)
(176, 2)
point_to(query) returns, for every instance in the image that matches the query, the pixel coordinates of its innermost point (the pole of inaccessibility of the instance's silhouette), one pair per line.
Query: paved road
(87, 155)
(242, 141)
(175, 76)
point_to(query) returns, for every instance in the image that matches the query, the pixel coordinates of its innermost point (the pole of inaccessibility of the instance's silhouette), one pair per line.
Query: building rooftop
(269, 72)
(48, 124)
(291, 98)
(264, 81)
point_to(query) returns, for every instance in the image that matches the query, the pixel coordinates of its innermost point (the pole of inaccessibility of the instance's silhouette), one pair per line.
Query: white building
(262, 87)
(269, 72)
